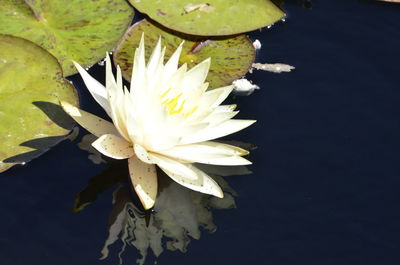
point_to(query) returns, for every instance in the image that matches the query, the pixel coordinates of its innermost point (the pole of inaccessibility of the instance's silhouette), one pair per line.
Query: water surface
(325, 188)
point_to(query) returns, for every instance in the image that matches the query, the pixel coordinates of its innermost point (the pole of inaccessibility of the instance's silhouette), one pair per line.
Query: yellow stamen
(173, 103)
(179, 110)
(165, 93)
(191, 111)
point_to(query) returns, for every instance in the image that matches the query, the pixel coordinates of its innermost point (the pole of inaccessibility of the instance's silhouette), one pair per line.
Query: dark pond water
(325, 188)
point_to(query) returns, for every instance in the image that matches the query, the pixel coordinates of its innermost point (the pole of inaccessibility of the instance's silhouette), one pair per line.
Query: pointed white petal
(196, 76)
(216, 118)
(144, 181)
(227, 161)
(192, 129)
(97, 90)
(154, 57)
(209, 153)
(200, 114)
(174, 84)
(117, 100)
(90, 122)
(192, 97)
(134, 127)
(139, 68)
(215, 97)
(188, 175)
(225, 108)
(223, 129)
(119, 78)
(113, 146)
(110, 80)
(209, 147)
(224, 171)
(172, 65)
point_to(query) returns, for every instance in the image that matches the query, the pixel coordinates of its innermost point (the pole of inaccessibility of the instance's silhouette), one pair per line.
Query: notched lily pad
(211, 17)
(80, 30)
(31, 85)
(231, 57)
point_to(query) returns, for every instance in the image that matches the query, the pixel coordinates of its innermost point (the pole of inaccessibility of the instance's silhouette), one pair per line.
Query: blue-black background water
(325, 188)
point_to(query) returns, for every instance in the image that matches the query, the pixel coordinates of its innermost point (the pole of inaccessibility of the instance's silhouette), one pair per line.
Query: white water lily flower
(167, 118)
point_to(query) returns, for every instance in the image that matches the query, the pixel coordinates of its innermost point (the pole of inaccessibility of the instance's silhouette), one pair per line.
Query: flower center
(176, 105)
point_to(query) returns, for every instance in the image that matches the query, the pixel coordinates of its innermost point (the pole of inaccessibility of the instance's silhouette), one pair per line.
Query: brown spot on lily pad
(82, 30)
(24, 128)
(211, 17)
(231, 57)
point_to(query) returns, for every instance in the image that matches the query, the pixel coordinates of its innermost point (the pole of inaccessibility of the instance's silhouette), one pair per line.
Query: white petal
(97, 90)
(155, 141)
(143, 155)
(154, 57)
(188, 175)
(117, 100)
(209, 153)
(155, 77)
(110, 80)
(113, 146)
(209, 103)
(192, 98)
(215, 97)
(90, 122)
(144, 180)
(174, 83)
(191, 129)
(134, 127)
(139, 68)
(223, 129)
(218, 117)
(225, 108)
(224, 171)
(119, 78)
(203, 113)
(172, 65)
(211, 148)
(196, 76)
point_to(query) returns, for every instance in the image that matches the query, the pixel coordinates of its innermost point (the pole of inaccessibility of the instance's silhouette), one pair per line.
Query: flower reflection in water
(178, 215)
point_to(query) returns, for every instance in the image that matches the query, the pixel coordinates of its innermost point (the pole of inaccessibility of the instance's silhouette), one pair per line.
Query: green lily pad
(31, 85)
(80, 30)
(211, 17)
(231, 57)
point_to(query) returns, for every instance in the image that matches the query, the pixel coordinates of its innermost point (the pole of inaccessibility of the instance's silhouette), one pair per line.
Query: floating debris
(272, 67)
(244, 87)
(204, 7)
(257, 44)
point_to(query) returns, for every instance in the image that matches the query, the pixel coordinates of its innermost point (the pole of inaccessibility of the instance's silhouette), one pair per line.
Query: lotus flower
(167, 118)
